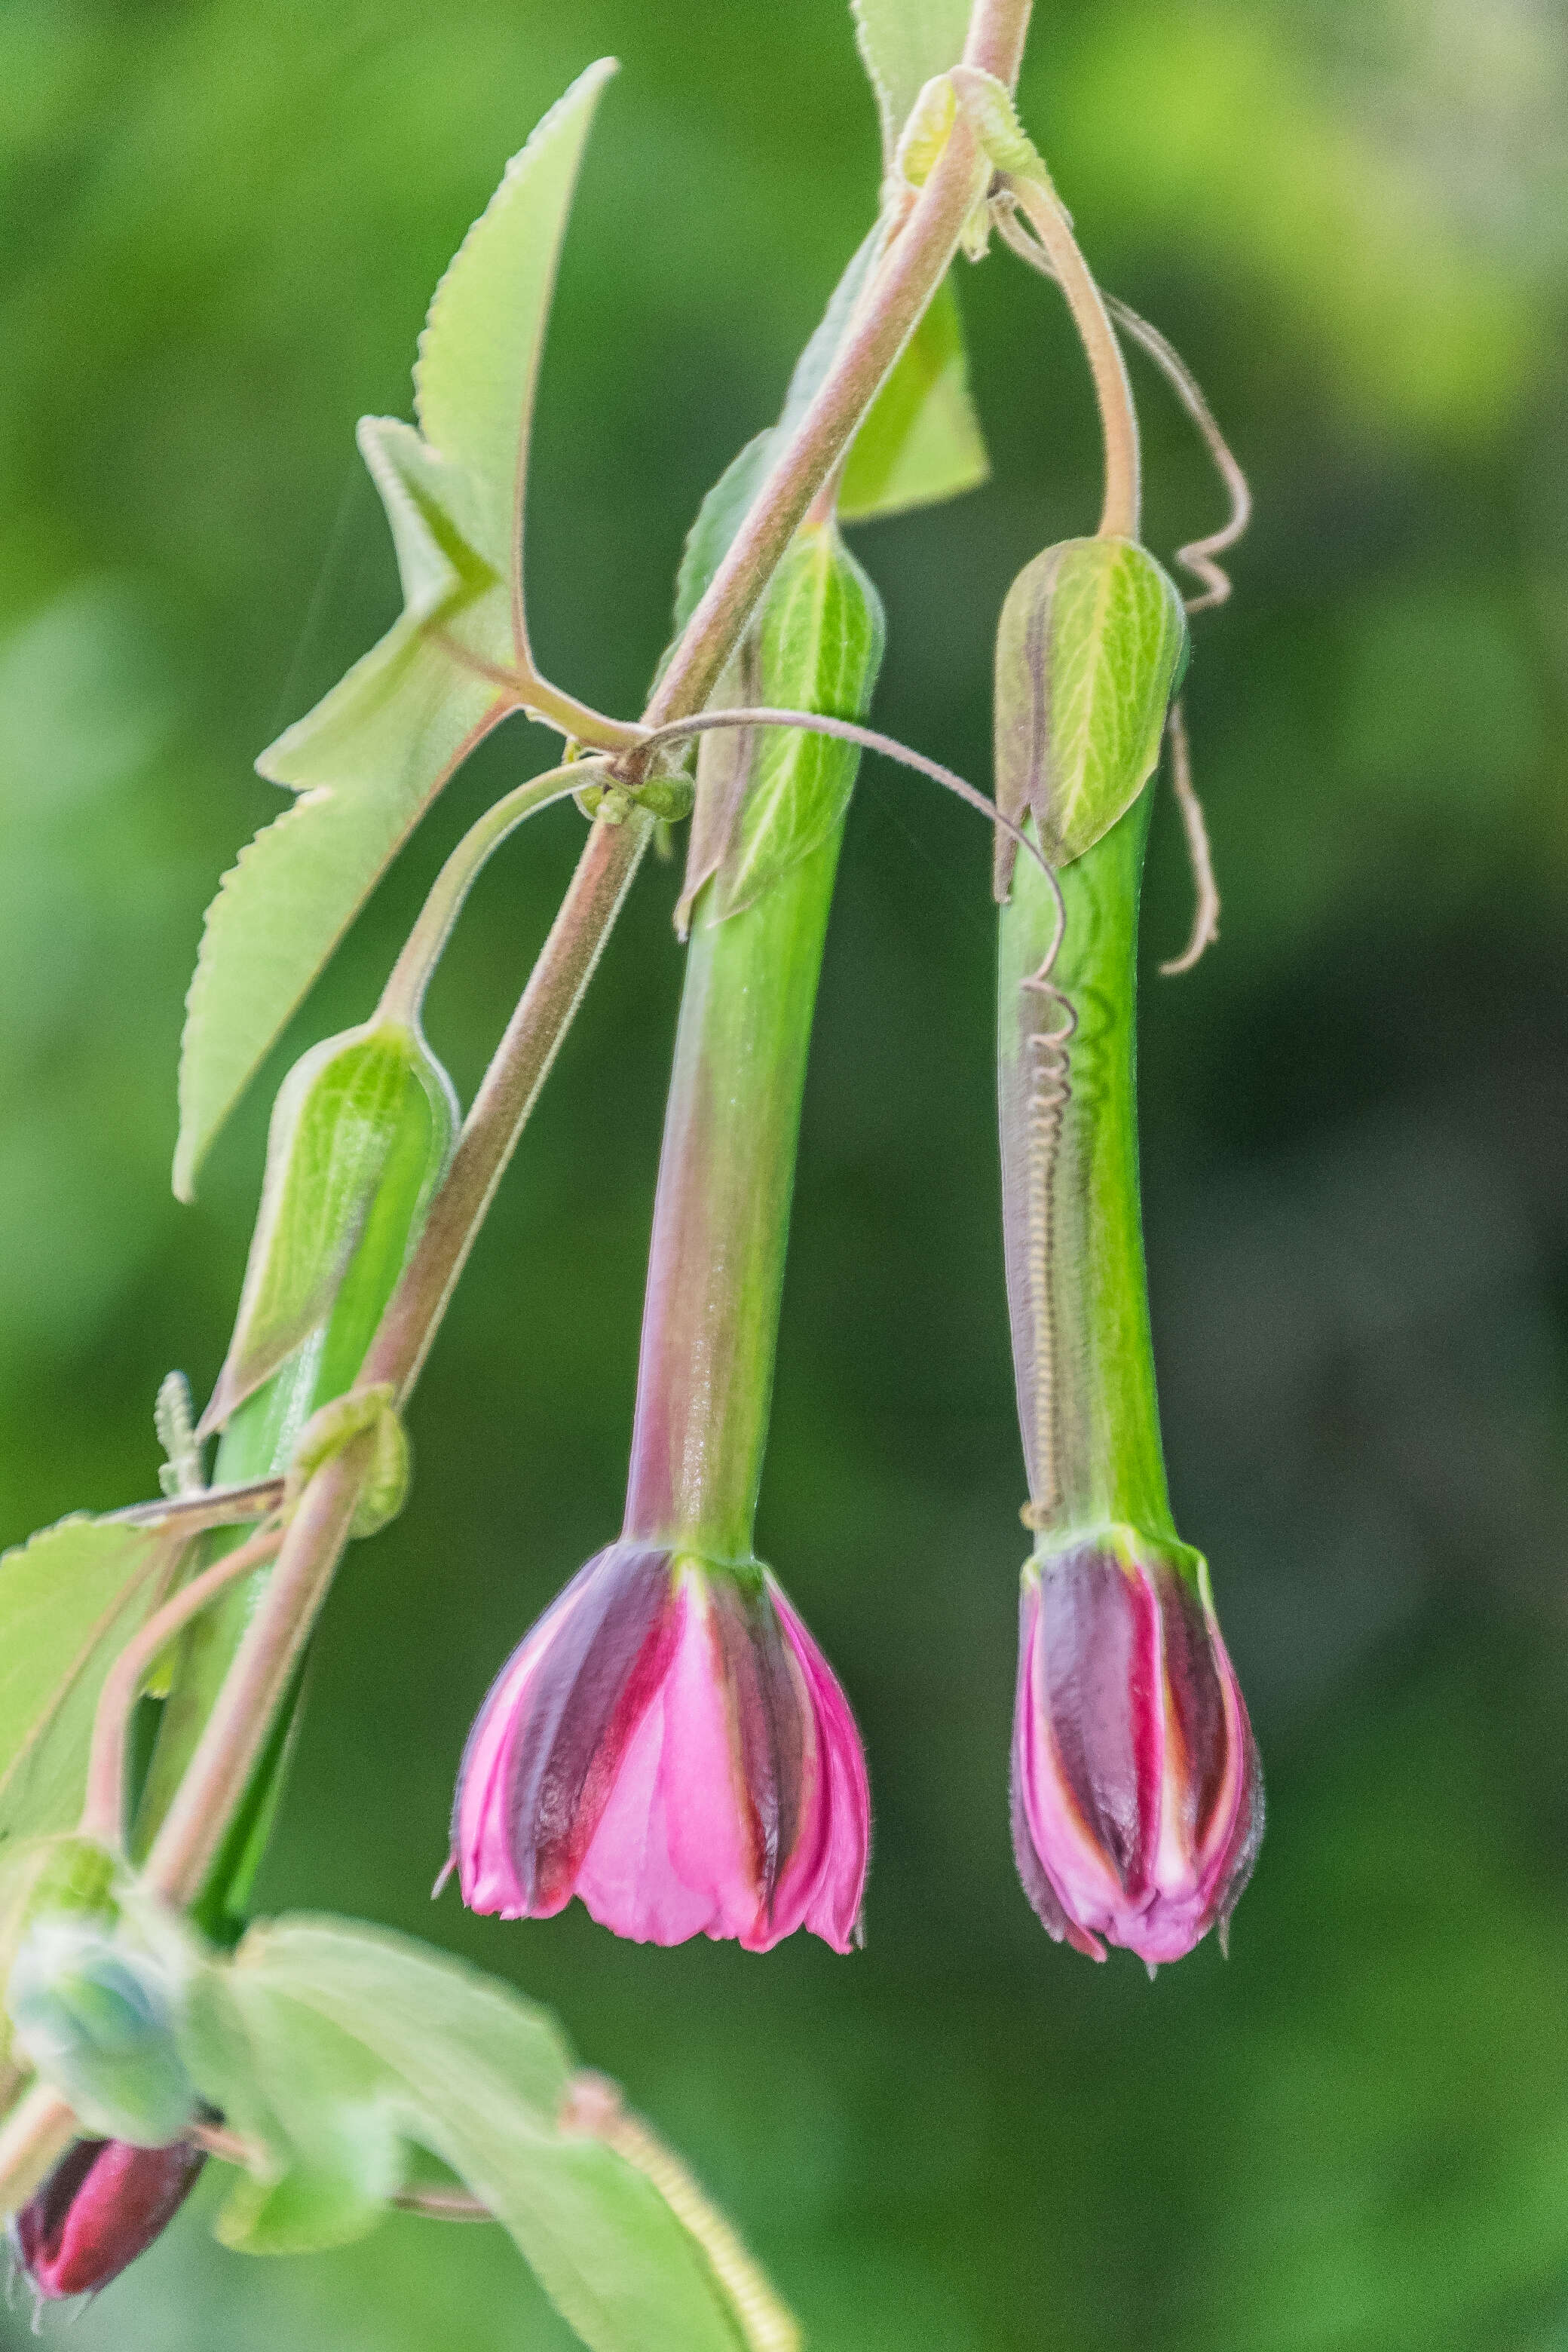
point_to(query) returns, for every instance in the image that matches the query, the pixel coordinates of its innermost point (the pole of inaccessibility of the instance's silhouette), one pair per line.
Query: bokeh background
(222, 220)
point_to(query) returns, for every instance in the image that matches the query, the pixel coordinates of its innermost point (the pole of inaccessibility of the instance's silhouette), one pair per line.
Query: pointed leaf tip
(373, 755)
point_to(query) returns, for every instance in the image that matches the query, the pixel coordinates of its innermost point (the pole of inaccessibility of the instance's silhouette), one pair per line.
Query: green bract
(97, 2020)
(363, 1412)
(369, 758)
(768, 797)
(361, 1130)
(1090, 649)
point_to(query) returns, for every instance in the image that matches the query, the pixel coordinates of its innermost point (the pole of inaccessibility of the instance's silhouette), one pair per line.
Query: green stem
(721, 1216)
(1076, 1281)
(403, 998)
(1119, 419)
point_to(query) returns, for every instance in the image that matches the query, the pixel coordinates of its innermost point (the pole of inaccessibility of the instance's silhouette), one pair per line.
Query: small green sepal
(338, 1424)
(1091, 648)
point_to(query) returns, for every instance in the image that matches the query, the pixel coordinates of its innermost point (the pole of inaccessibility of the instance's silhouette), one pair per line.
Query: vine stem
(403, 998)
(1120, 514)
(236, 1732)
(913, 267)
(103, 1812)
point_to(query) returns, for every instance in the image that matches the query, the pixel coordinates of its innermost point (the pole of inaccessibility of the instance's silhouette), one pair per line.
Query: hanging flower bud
(1137, 1795)
(669, 1743)
(95, 2019)
(103, 2204)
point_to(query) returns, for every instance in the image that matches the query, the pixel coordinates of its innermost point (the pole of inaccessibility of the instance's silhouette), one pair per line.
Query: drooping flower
(1137, 1794)
(669, 1743)
(103, 2204)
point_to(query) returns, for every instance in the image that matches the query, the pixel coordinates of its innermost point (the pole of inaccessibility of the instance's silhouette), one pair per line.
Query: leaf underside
(372, 755)
(903, 43)
(333, 2048)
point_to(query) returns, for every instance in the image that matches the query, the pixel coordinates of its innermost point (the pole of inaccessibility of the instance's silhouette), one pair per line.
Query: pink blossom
(669, 1743)
(1137, 1794)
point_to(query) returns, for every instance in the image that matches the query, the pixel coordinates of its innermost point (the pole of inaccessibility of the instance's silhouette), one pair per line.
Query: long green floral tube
(1137, 1799)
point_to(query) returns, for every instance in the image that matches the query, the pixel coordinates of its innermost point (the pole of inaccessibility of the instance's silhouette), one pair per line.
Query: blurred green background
(223, 219)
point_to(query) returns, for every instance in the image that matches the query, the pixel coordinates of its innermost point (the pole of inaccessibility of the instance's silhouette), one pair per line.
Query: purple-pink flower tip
(1137, 1792)
(669, 1744)
(102, 2205)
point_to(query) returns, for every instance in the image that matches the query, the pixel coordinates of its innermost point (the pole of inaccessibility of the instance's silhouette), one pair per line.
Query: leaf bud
(362, 1132)
(1091, 648)
(96, 2019)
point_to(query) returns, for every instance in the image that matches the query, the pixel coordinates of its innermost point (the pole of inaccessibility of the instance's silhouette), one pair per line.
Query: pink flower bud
(102, 2205)
(669, 1743)
(1137, 1796)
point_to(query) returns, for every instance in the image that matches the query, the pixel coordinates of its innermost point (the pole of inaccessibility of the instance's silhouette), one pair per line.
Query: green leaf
(338, 1127)
(369, 758)
(1089, 650)
(71, 1599)
(904, 44)
(330, 2047)
(921, 441)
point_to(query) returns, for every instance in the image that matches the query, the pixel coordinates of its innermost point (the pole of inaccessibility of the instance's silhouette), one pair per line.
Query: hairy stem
(507, 1093)
(1120, 514)
(236, 1731)
(910, 271)
(103, 1813)
(403, 998)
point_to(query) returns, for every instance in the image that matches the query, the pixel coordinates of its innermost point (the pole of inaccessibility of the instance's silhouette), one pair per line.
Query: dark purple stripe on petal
(1099, 1674)
(767, 1733)
(1197, 1701)
(593, 1687)
(1044, 1899)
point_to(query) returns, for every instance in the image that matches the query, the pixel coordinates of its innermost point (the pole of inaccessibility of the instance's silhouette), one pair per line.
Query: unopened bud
(1137, 1795)
(1090, 647)
(96, 2019)
(361, 1131)
(103, 2204)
